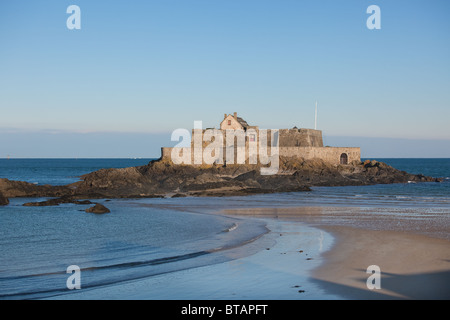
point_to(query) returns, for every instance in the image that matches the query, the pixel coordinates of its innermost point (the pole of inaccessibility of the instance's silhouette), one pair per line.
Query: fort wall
(300, 138)
(214, 146)
(332, 155)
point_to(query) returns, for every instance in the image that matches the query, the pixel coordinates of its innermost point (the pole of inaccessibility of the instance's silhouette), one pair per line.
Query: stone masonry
(299, 143)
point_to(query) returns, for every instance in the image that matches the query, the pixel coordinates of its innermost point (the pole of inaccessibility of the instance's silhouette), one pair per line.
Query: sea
(143, 238)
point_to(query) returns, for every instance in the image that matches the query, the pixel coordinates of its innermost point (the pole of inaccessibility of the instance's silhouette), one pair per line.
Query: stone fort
(295, 142)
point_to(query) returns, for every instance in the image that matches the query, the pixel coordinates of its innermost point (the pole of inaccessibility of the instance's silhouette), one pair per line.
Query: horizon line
(168, 132)
(152, 158)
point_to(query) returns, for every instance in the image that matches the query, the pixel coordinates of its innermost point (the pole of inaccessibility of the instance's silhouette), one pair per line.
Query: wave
(118, 265)
(124, 265)
(232, 228)
(37, 285)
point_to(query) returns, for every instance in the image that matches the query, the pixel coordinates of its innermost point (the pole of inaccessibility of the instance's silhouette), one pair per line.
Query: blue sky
(140, 69)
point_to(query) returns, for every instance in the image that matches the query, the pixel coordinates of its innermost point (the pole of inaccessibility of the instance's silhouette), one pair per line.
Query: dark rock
(371, 163)
(82, 201)
(161, 178)
(57, 201)
(251, 175)
(179, 195)
(98, 208)
(3, 200)
(50, 202)
(13, 189)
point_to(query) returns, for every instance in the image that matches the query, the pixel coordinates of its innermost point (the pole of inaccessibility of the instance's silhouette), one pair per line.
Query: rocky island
(162, 178)
(302, 161)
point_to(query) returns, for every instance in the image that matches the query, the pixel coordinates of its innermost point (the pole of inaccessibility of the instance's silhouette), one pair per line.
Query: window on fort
(229, 122)
(344, 158)
(252, 137)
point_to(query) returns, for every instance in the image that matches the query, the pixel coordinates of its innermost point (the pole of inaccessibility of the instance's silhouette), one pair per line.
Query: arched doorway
(344, 158)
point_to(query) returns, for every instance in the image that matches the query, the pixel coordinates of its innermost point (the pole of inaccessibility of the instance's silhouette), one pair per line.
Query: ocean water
(59, 171)
(149, 237)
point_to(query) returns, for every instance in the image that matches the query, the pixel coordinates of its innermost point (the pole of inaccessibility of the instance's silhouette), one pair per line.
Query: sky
(137, 70)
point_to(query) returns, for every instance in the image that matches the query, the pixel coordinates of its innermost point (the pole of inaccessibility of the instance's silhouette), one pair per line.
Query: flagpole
(315, 119)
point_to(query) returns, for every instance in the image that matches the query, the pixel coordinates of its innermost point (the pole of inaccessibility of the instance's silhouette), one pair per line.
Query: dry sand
(412, 266)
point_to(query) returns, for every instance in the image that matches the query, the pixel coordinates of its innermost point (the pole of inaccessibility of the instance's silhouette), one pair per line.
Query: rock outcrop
(162, 178)
(57, 201)
(15, 189)
(98, 208)
(3, 200)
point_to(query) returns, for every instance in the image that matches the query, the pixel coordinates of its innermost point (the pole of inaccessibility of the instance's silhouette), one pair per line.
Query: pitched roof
(242, 122)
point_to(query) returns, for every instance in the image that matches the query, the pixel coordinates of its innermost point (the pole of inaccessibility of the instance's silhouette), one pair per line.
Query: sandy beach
(412, 266)
(413, 253)
(310, 253)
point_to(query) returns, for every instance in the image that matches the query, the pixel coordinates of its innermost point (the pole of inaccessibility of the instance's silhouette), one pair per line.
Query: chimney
(224, 116)
(235, 116)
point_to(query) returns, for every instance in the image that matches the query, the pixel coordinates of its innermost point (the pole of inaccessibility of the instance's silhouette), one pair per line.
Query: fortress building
(236, 139)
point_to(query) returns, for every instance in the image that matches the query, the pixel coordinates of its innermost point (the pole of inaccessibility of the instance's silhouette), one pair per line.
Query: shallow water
(132, 242)
(150, 237)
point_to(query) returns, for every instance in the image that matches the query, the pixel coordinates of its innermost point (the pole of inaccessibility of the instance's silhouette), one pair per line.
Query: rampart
(219, 146)
(332, 155)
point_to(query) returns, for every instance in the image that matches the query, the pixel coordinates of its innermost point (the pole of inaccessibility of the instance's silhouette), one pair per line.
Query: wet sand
(313, 253)
(412, 250)
(412, 266)
(278, 270)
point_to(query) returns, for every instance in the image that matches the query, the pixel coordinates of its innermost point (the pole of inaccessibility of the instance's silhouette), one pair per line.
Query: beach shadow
(352, 293)
(432, 285)
(421, 286)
